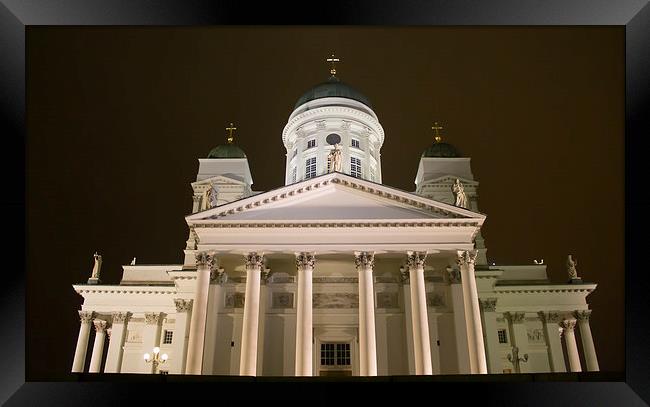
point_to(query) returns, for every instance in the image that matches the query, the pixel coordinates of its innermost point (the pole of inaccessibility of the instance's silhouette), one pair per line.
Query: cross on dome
(436, 128)
(230, 130)
(333, 60)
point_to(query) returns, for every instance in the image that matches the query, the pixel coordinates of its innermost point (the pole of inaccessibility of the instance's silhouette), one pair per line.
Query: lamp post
(515, 359)
(157, 358)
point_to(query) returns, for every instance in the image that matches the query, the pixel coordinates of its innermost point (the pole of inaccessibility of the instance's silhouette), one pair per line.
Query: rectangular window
(355, 167)
(167, 339)
(294, 172)
(335, 354)
(311, 143)
(310, 168)
(503, 338)
(355, 143)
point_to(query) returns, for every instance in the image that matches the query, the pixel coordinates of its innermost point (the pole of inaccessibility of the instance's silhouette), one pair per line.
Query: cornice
(584, 288)
(308, 115)
(88, 289)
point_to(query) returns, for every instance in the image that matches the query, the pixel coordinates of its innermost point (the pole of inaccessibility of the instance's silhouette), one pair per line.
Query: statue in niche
(335, 159)
(459, 192)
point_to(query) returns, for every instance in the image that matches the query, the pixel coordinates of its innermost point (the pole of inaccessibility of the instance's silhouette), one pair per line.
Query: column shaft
(248, 359)
(460, 325)
(473, 313)
(491, 337)
(519, 337)
(151, 337)
(421, 345)
(304, 316)
(82, 341)
(98, 346)
(571, 346)
(181, 332)
(550, 322)
(587, 340)
(116, 343)
(406, 292)
(367, 333)
(204, 262)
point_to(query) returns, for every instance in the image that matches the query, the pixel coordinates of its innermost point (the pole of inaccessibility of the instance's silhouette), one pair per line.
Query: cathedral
(334, 273)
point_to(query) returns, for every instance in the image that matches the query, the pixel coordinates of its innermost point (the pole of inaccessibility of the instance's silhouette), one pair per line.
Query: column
(568, 326)
(248, 360)
(489, 306)
(460, 325)
(466, 259)
(98, 346)
(116, 342)
(205, 262)
(406, 291)
(550, 321)
(519, 339)
(587, 340)
(82, 341)
(181, 333)
(196, 200)
(151, 337)
(304, 327)
(421, 345)
(367, 336)
(264, 300)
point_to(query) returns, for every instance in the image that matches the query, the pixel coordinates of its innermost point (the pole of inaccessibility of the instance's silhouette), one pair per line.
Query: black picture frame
(582, 390)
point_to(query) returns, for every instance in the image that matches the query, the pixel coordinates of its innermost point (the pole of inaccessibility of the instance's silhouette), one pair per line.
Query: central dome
(333, 87)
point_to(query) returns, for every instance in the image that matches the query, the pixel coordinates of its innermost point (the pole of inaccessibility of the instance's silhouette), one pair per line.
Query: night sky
(117, 118)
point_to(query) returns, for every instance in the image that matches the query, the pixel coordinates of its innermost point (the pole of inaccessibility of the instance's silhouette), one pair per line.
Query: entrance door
(335, 359)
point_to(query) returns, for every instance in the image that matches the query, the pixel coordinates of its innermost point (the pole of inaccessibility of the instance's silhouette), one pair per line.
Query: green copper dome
(440, 149)
(333, 87)
(227, 151)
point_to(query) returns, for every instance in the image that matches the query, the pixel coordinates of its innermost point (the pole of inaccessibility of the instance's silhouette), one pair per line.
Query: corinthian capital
(100, 325)
(488, 304)
(515, 317)
(254, 261)
(153, 318)
(466, 257)
(415, 259)
(568, 324)
(582, 315)
(121, 317)
(205, 259)
(86, 316)
(182, 305)
(364, 259)
(305, 260)
(551, 317)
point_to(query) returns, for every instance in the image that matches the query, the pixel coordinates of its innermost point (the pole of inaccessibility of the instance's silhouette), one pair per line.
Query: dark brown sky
(117, 118)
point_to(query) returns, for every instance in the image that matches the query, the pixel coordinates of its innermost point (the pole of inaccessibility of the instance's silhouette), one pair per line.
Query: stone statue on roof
(459, 192)
(335, 159)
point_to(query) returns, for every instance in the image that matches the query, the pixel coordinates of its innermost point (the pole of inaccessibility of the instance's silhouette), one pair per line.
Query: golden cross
(230, 129)
(333, 60)
(437, 129)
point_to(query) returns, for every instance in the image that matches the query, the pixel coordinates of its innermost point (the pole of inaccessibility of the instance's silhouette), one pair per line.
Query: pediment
(449, 179)
(223, 179)
(333, 197)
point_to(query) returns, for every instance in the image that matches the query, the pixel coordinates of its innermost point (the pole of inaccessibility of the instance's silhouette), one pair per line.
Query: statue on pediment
(459, 192)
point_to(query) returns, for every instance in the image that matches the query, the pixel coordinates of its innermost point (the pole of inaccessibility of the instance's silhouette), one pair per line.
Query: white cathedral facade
(334, 273)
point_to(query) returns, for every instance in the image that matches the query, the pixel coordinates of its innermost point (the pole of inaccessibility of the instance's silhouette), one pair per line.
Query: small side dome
(227, 151)
(440, 149)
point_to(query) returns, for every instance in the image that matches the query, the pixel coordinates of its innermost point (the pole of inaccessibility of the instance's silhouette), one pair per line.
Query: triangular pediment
(223, 179)
(333, 197)
(449, 179)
